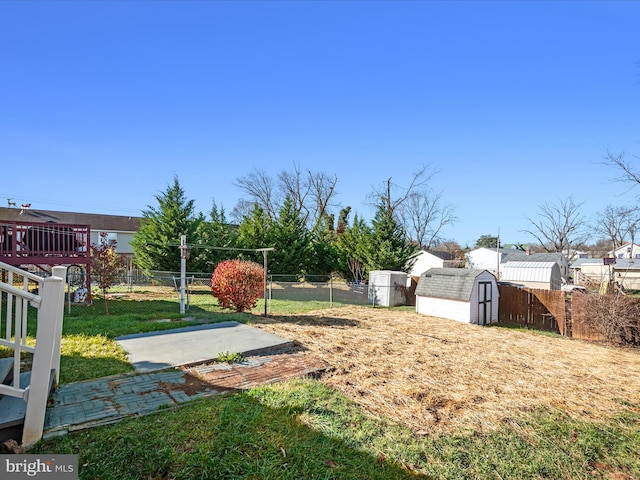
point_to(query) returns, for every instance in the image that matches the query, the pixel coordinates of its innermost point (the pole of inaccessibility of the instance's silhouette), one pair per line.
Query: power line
(212, 247)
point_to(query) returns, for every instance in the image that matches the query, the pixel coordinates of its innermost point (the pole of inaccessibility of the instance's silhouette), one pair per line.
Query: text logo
(55, 467)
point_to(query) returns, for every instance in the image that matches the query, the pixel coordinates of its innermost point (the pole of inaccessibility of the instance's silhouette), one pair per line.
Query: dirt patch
(437, 375)
(191, 386)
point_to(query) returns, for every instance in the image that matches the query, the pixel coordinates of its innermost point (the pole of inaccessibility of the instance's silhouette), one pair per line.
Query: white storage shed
(387, 288)
(465, 295)
(544, 275)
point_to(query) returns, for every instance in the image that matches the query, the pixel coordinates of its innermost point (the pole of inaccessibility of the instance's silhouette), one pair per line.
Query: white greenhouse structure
(543, 275)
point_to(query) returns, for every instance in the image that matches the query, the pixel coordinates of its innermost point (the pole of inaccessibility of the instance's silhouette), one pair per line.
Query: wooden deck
(33, 243)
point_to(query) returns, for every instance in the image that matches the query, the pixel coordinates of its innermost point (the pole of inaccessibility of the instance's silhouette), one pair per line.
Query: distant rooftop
(95, 221)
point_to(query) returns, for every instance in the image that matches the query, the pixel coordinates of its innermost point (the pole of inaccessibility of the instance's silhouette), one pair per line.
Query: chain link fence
(134, 290)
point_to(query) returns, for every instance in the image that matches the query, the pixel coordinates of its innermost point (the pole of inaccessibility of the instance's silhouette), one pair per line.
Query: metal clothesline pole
(264, 280)
(184, 255)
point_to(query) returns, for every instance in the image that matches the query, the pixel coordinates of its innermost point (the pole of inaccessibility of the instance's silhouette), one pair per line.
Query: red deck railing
(44, 243)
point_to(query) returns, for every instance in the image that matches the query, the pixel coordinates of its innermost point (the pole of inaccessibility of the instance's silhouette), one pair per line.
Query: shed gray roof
(448, 283)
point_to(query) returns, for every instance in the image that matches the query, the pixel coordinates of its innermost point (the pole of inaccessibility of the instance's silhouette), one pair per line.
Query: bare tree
(617, 224)
(323, 189)
(392, 195)
(295, 185)
(628, 174)
(559, 227)
(424, 214)
(242, 209)
(311, 193)
(600, 248)
(261, 189)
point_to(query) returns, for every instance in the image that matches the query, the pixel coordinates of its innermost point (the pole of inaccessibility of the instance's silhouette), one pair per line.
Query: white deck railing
(14, 308)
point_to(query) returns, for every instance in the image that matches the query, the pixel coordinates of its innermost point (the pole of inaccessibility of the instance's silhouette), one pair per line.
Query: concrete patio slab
(197, 344)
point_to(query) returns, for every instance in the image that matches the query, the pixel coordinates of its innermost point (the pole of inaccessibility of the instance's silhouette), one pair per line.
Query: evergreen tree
(255, 232)
(214, 233)
(292, 242)
(325, 248)
(353, 246)
(486, 241)
(155, 244)
(389, 248)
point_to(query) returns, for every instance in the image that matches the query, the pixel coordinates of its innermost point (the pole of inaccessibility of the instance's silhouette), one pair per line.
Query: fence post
(330, 291)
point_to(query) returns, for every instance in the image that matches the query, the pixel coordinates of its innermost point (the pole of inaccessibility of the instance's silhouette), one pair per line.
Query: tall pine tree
(155, 244)
(389, 248)
(353, 248)
(292, 242)
(255, 232)
(217, 233)
(325, 247)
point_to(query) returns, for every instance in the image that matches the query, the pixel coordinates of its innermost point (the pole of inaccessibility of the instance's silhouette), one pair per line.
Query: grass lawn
(356, 423)
(303, 429)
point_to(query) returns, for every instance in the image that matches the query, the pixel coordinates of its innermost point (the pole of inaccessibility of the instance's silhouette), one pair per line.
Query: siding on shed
(442, 308)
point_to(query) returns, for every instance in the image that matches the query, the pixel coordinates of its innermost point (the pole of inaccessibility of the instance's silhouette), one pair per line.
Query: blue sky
(514, 103)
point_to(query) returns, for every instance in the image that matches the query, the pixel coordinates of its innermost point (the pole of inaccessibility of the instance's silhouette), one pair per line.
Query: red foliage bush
(237, 284)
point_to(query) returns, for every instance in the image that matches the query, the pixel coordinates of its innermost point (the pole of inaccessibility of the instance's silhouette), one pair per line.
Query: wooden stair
(13, 409)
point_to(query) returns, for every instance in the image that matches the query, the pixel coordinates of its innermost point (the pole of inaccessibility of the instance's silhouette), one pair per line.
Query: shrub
(615, 316)
(228, 357)
(237, 284)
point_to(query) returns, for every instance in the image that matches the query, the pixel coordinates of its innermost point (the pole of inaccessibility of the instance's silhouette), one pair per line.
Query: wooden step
(13, 410)
(6, 370)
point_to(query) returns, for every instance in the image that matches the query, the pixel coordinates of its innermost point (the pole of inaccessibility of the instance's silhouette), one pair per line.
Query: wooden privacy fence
(533, 308)
(560, 312)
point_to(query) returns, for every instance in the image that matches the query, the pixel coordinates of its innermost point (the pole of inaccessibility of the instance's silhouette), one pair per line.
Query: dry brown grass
(438, 375)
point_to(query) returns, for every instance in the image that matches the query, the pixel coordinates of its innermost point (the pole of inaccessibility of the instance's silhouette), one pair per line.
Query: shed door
(484, 303)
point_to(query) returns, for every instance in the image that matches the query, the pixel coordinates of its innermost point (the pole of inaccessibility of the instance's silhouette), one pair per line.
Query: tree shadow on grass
(230, 436)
